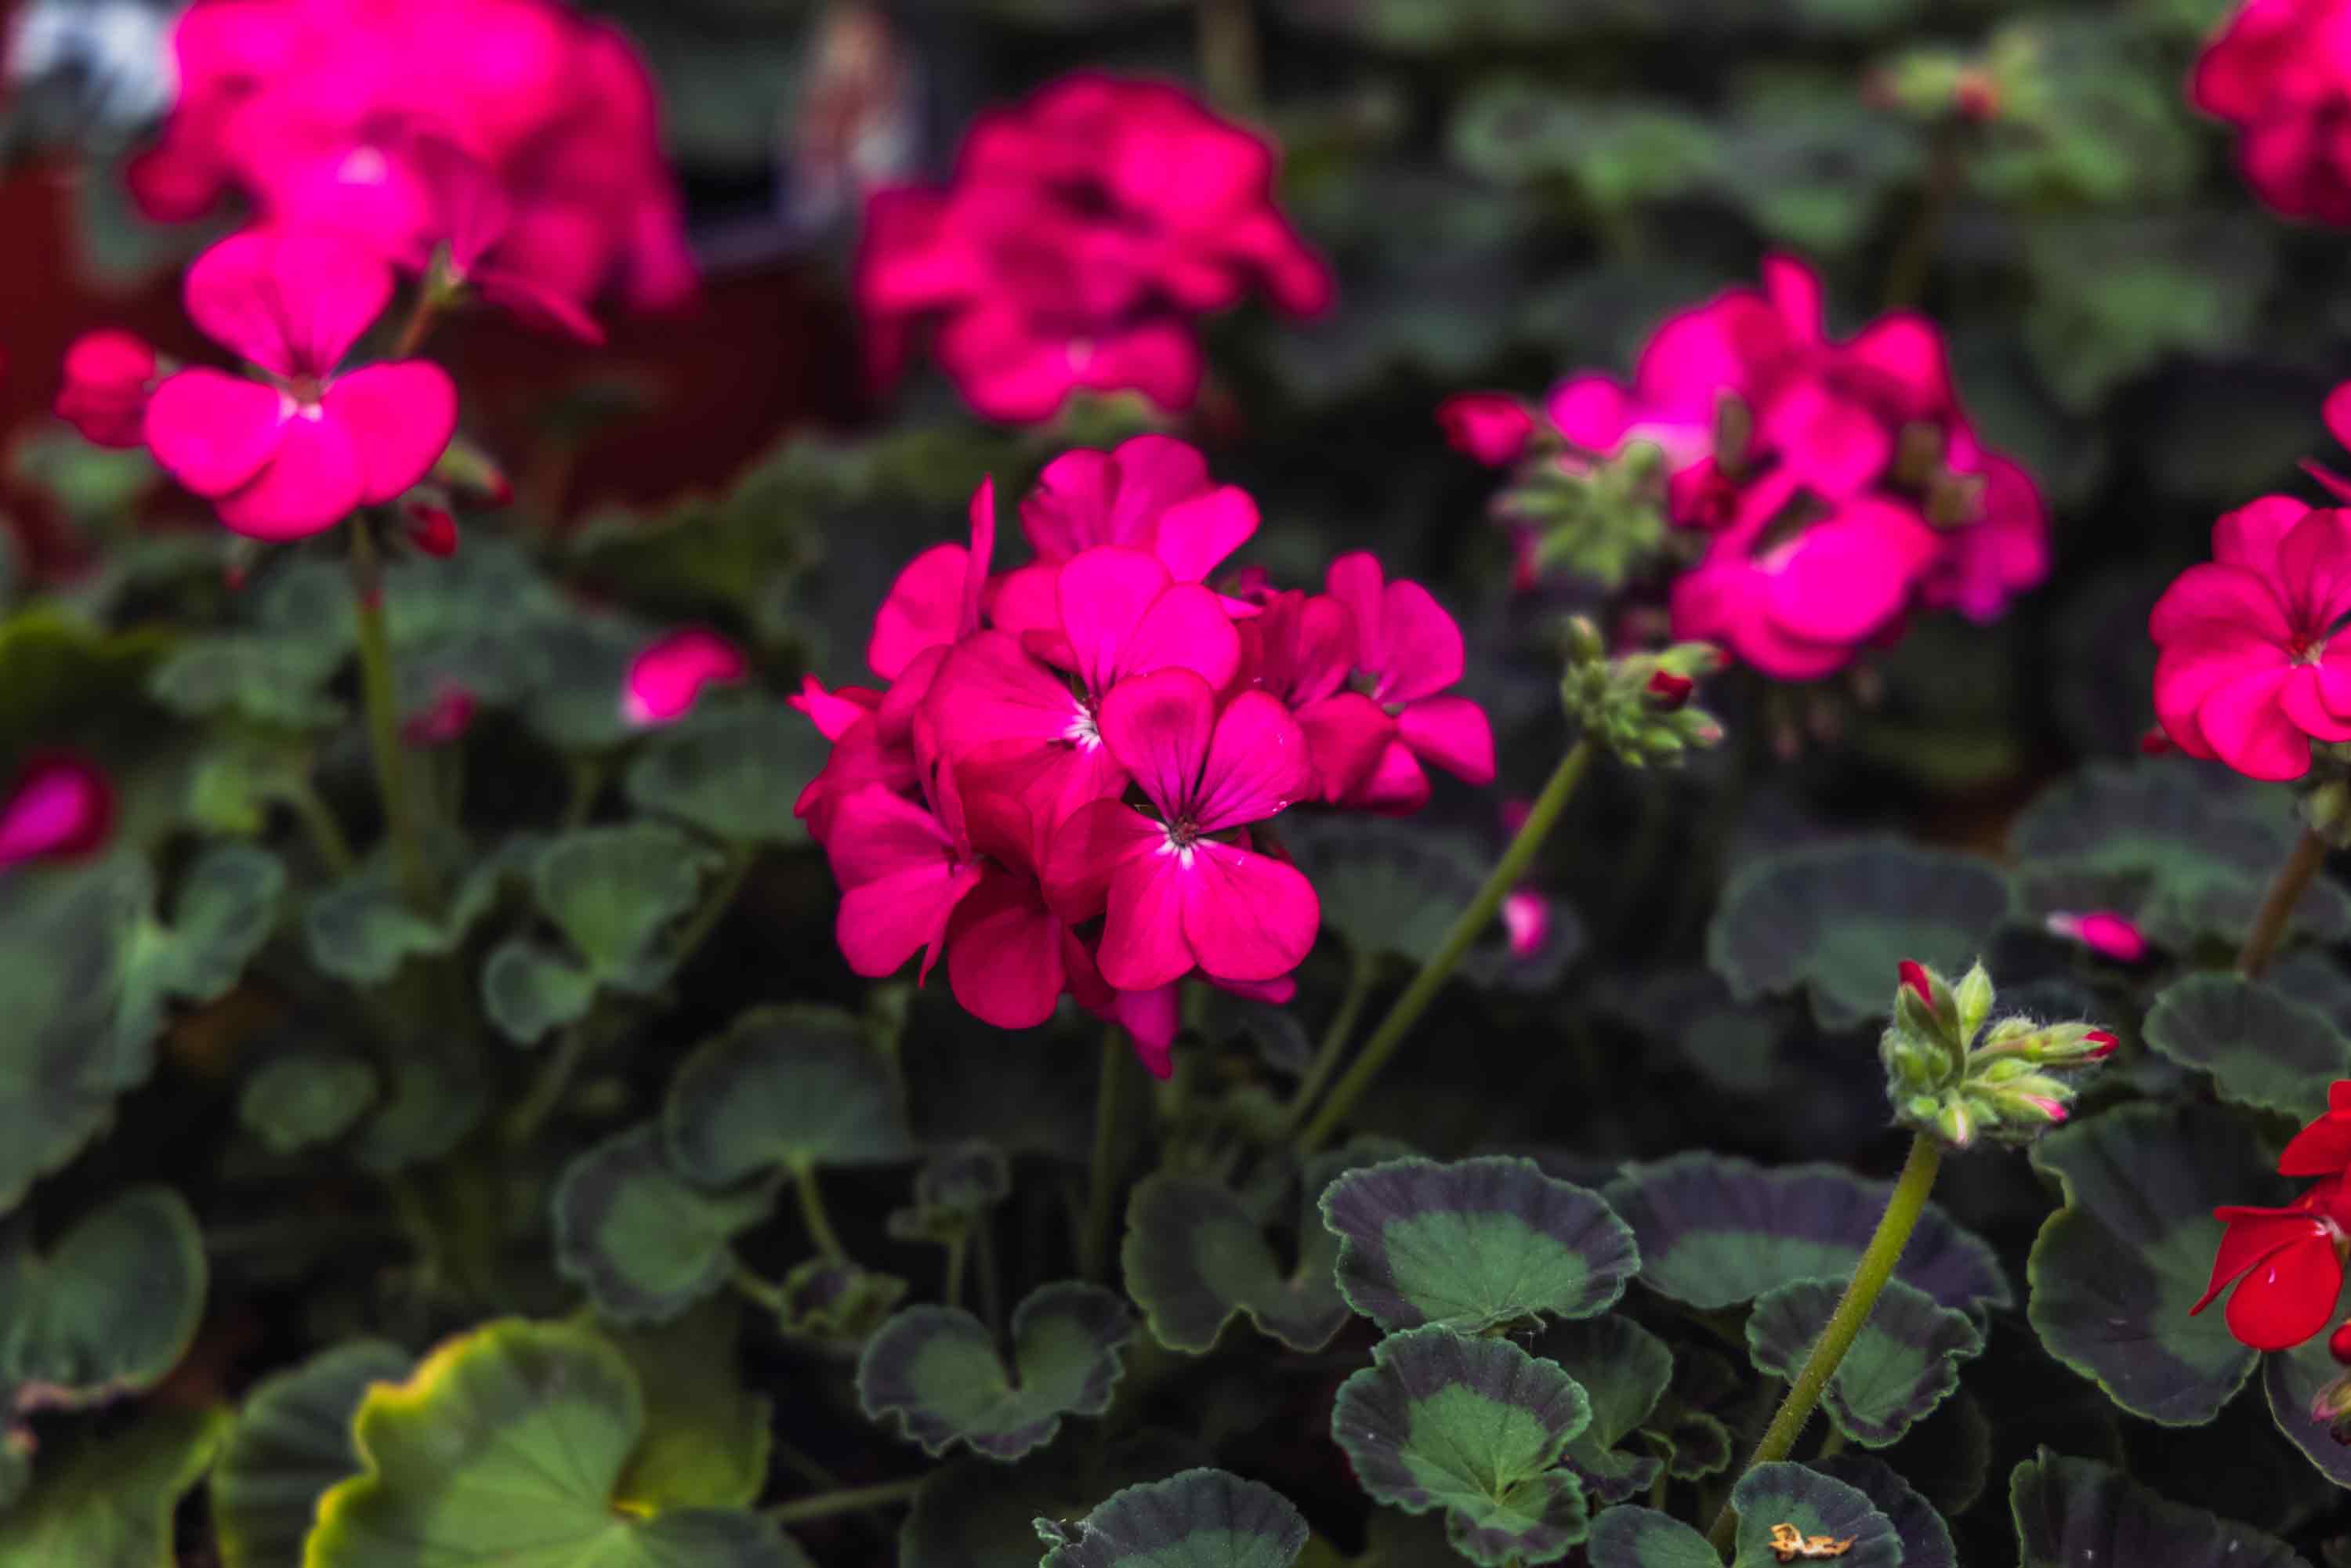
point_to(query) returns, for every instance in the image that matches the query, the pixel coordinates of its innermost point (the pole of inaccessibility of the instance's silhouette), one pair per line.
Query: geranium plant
(1232, 923)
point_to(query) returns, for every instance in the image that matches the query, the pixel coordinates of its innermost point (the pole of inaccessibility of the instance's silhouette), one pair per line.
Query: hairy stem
(382, 703)
(1878, 1260)
(2286, 889)
(1466, 929)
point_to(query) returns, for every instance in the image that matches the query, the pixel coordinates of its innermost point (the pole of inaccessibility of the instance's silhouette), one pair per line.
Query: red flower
(2286, 1264)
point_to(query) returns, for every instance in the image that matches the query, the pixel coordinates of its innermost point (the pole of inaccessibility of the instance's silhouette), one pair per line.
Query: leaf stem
(587, 776)
(1094, 1241)
(318, 821)
(957, 1249)
(545, 1090)
(382, 704)
(2286, 889)
(715, 905)
(1903, 1207)
(855, 1500)
(1366, 974)
(767, 1293)
(813, 1214)
(1466, 929)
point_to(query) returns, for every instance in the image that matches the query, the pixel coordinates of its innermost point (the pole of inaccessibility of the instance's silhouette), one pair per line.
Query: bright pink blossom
(2103, 932)
(1152, 492)
(1493, 428)
(1176, 894)
(2247, 672)
(2279, 71)
(935, 601)
(1408, 655)
(108, 378)
(1301, 648)
(666, 677)
(296, 453)
(60, 806)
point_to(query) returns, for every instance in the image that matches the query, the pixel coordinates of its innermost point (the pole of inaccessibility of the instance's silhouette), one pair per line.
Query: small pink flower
(1176, 895)
(664, 679)
(1301, 648)
(109, 376)
(445, 719)
(2102, 930)
(59, 807)
(298, 453)
(1408, 652)
(1152, 492)
(2246, 669)
(1492, 428)
(1526, 920)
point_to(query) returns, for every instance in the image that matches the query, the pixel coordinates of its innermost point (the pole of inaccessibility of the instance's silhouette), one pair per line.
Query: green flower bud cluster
(1601, 519)
(1951, 1073)
(1638, 705)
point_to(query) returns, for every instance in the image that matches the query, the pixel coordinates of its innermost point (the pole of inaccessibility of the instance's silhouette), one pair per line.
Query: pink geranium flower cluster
(1840, 482)
(1062, 781)
(2279, 71)
(517, 138)
(1084, 230)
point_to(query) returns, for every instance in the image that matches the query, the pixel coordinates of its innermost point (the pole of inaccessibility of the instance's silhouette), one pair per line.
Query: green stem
(1914, 257)
(383, 722)
(1228, 56)
(856, 1500)
(1466, 929)
(714, 905)
(991, 1290)
(812, 1214)
(1334, 1039)
(1094, 1241)
(588, 775)
(1902, 1209)
(318, 822)
(2277, 907)
(957, 1249)
(1832, 1445)
(765, 1292)
(545, 1090)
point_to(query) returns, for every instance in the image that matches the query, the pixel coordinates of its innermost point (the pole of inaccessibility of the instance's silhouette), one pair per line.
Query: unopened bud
(1585, 644)
(2154, 742)
(1955, 1125)
(432, 529)
(1976, 96)
(2331, 1405)
(1670, 691)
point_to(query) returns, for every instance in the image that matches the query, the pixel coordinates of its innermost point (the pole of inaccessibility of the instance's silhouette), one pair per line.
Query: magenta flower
(1175, 896)
(1407, 653)
(2103, 932)
(1492, 428)
(2279, 71)
(666, 677)
(1153, 494)
(108, 378)
(1526, 922)
(2246, 669)
(935, 601)
(296, 453)
(60, 806)
(1301, 648)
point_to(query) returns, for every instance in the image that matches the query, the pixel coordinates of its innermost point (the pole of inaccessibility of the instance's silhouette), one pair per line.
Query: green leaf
(614, 891)
(1619, 151)
(292, 1441)
(106, 1310)
(2290, 1379)
(937, 1370)
(430, 1105)
(1697, 1445)
(838, 1305)
(642, 1240)
(269, 680)
(1200, 1518)
(1624, 1370)
(1194, 1255)
(306, 1097)
(734, 774)
(504, 1448)
(2072, 1512)
(1839, 919)
(225, 907)
(108, 1504)
(1629, 1537)
(1715, 1231)
(1475, 1244)
(1475, 1427)
(2185, 853)
(528, 989)
(2261, 1048)
(1925, 1539)
(707, 1434)
(1811, 164)
(1386, 888)
(578, 707)
(2117, 294)
(789, 1086)
(2112, 1274)
(361, 930)
(1904, 1363)
(1798, 1495)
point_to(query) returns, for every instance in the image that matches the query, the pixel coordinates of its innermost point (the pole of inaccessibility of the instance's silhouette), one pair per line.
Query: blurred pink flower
(666, 677)
(108, 378)
(59, 806)
(444, 719)
(2279, 71)
(295, 454)
(1493, 428)
(1526, 922)
(2103, 932)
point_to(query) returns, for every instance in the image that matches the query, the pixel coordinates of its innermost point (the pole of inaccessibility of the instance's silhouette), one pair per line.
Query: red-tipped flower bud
(1914, 975)
(432, 529)
(2103, 1042)
(1670, 691)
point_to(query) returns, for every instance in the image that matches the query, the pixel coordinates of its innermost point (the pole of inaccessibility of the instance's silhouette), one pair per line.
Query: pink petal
(1357, 580)
(1452, 732)
(292, 303)
(2187, 673)
(1085, 498)
(1346, 733)
(1090, 845)
(982, 551)
(107, 376)
(990, 689)
(2337, 411)
(311, 483)
(1846, 577)
(923, 610)
(1026, 600)
(1102, 593)
(1491, 428)
(2302, 703)
(1150, 1019)
(399, 417)
(1004, 953)
(2249, 536)
(1835, 442)
(1300, 646)
(1246, 917)
(2314, 566)
(59, 806)
(1143, 941)
(1195, 536)
(1395, 787)
(1526, 922)
(213, 432)
(833, 711)
(1591, 411)
(2244, 723)
(667, 675)
(1160, 727)
(1794, 292)
(1257, 765)
(884, 922)
(1419, 647)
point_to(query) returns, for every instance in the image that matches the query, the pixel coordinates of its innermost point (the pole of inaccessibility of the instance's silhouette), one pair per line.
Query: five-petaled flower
(2286, 1264)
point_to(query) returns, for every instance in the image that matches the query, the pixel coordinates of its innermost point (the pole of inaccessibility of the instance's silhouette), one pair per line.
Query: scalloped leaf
(1838, 919)
(707, 1434)
(2070, 1511)
(528, 989)
(613, 890)
(1925, 1539)
(838, 1305)
(937, 1370)
(292, 1442)
(578, 707)
(1474, 1244)
(1698, 1446)
(2114, 1271)
(546, 1416)
(800, 1087)
(1717, 1231)
(361, 930)
(1476, 1427)
(109, 1309)
(2261, 1047)
(1624, 1370)
(1195, 1257)
(953, 1190)
(1199, 1519)
(108, 1504)
(306, 1097)
(734, 774)
(642, 1240)
(1386, 887)
(221, 914)
(1816, 1505)
(976, 1513)
(1904, 1363)
(2184, 853)
(1630, 1537)
(426, 1109)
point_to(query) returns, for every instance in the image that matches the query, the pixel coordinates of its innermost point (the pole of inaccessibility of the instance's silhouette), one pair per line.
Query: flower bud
(431, 529)
(1584, 645)
(2331, 1405)
(1974, 999)
(1954, 1126)
(1670, 691)
(2338, 1343)
(1955, 1071)
(2154, 742)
